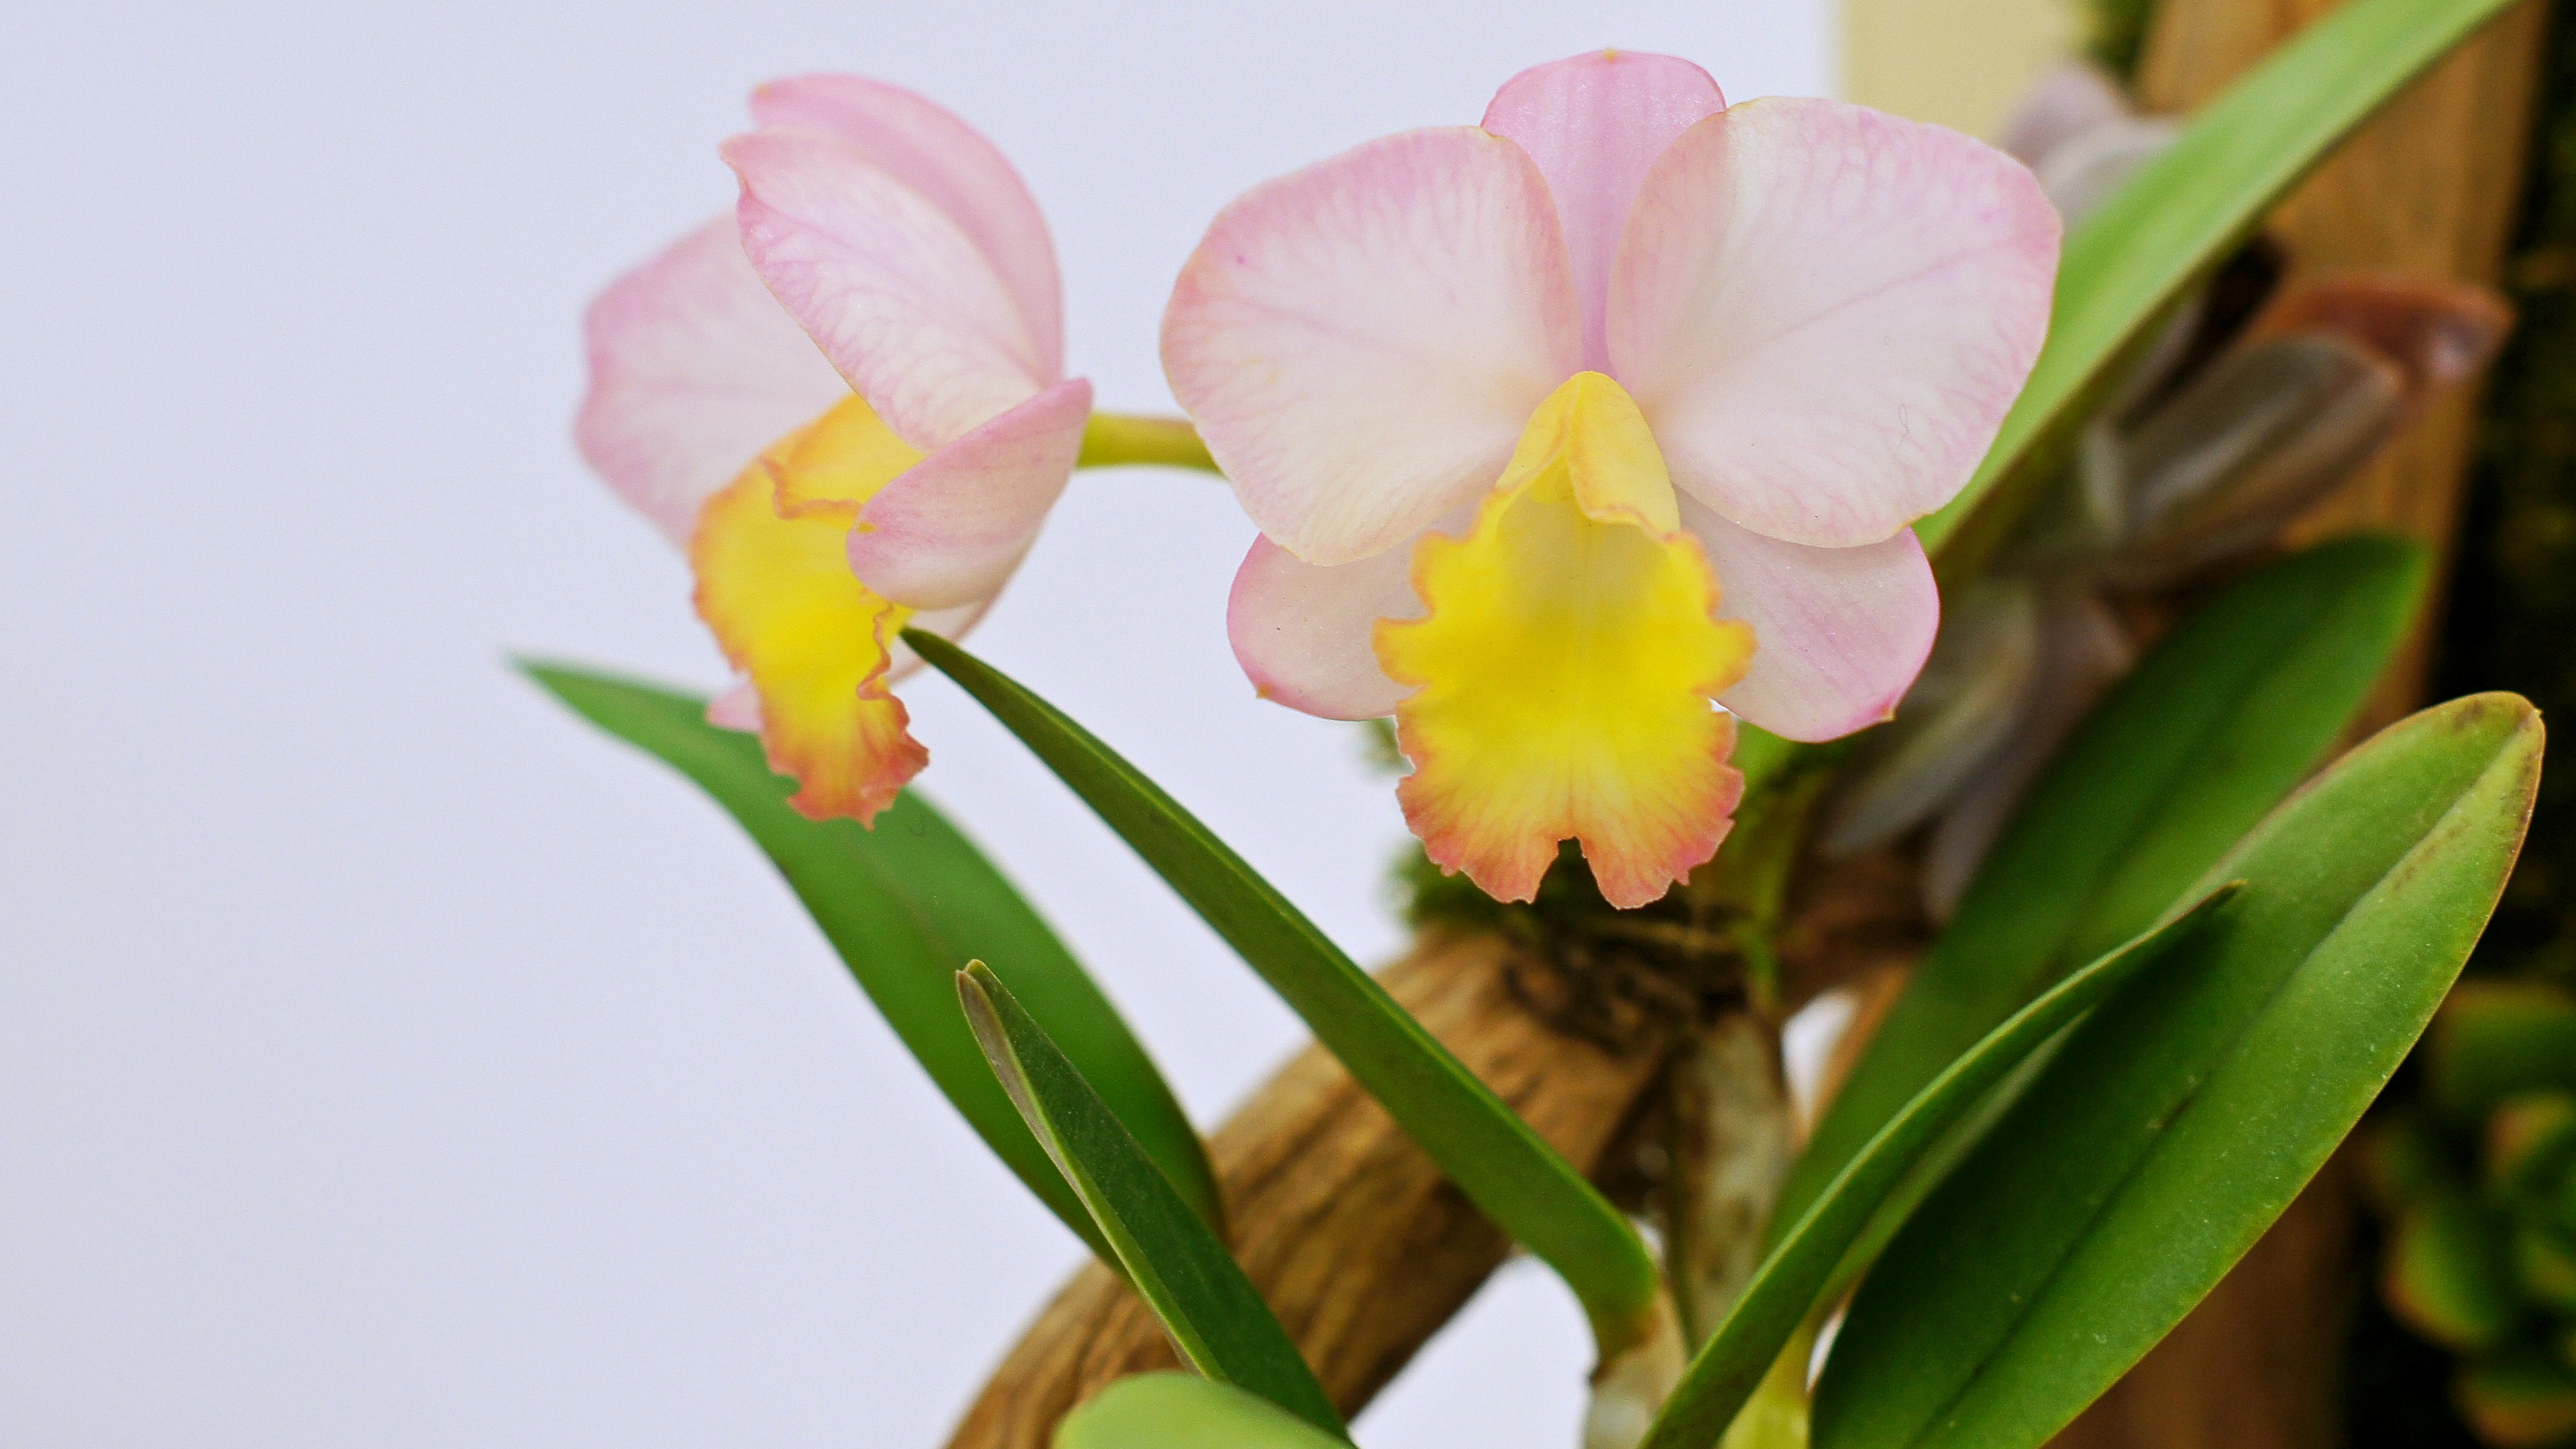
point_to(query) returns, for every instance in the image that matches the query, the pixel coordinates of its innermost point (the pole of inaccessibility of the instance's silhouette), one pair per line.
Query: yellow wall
(1959, 62)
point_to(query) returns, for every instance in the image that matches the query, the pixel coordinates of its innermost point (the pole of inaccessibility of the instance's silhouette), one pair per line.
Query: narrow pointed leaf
(1215, 1316)
(1787, 1286)
(2180, 1119)
(2134, 258)
(905, 905)
(1175, 1411)
(2216, 724)
(1503, 1166)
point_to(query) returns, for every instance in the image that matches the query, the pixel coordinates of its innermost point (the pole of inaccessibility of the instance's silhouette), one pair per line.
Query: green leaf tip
(1215, 1317)
(1176, 1411)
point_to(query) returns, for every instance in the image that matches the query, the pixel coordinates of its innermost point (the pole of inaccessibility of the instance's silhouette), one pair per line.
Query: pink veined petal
(930, 149)
(738, 708)
(951, 529)
(1825, 311)
(1361, 342)
(1303, 632)
(1838, 633)
(693, 370)
(1594, 123)
(898, 297)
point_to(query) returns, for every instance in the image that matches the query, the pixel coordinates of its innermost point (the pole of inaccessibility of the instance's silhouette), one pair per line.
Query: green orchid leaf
(1213, 1313)
(905, 905)
(2181, 1118)
(2133, 260)
(1792, 1279)
(1175, 1411)
(1503, 1166)
(2211, 729)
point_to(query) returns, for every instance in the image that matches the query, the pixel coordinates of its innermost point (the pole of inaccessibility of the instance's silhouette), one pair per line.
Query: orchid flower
(1561, 428)
(847, 402)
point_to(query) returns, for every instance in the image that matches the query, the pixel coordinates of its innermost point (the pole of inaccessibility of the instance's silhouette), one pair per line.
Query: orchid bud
(1961, 711)
(2245, 447)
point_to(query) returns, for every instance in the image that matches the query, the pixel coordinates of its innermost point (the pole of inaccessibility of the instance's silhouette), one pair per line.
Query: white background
(384, 1058)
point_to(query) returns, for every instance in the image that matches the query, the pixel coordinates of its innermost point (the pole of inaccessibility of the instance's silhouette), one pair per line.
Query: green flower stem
(1113, 440)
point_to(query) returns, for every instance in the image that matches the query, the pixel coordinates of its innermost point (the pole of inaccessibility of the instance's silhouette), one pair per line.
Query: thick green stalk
(1113, 440)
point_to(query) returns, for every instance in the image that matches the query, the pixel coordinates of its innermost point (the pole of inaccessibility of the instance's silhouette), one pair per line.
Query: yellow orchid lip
(771, 553)
(1566, 670)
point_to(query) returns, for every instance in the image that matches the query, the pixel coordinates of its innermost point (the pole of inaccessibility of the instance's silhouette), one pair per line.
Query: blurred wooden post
(2429, 188)
(1962, 63)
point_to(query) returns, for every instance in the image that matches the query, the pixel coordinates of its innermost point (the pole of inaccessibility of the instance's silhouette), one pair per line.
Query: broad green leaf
(2134, 259)
(1215, 1316)
(2214, 726)
(1175, 1411)
(1788, 1284)
(2177, 1122)
(905, 905)
(1503, 1166)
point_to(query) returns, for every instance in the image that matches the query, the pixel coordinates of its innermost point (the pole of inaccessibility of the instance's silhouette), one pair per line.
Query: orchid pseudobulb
(1564, 428)
(847, 401)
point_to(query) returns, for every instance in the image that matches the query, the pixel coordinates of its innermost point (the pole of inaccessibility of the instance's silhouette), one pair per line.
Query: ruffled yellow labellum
(774, 583)
(1567, 667)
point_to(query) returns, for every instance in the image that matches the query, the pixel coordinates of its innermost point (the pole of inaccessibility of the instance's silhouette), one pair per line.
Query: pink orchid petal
(928, 148)
(1838, 633)
(890, 288)
(738, 708)
(1594, 123)
(1825, 311)
(951, 529)
(1361, 342)
(1302, 631)
(694, 369)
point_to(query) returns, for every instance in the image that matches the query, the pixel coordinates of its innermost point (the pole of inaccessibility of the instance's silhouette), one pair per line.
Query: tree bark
(2428, 188)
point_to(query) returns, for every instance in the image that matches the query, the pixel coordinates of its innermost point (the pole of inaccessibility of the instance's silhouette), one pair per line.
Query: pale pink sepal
(928, 148)
(1361, 342)
(1594, 123)
(1838, 633)
(738, 708)
(694, 369)
(1825, 312)
(1302, 631)
(892, 290)
(950, 530)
